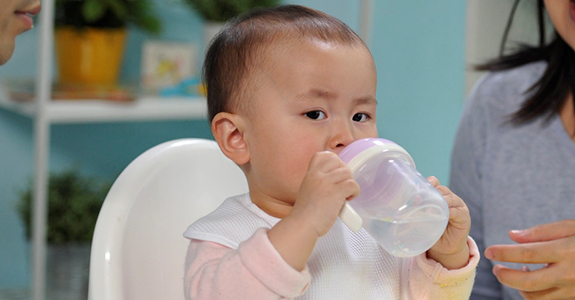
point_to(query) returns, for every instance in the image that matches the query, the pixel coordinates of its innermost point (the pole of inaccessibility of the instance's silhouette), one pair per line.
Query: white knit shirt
(343, 265)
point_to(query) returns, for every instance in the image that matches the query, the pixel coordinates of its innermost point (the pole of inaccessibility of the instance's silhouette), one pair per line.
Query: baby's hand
(324, 190)
(326, 186)
(451, 250)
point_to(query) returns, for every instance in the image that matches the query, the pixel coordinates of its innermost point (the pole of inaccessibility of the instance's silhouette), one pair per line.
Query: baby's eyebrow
(318, 93)
(368, 100)
(315, 93)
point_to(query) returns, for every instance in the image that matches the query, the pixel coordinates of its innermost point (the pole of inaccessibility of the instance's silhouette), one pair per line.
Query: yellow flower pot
(89, 56)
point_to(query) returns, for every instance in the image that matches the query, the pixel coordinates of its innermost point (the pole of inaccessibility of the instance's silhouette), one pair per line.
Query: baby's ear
(228, 130)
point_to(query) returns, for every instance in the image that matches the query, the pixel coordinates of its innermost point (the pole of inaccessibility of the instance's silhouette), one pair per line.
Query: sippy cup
(399, 208)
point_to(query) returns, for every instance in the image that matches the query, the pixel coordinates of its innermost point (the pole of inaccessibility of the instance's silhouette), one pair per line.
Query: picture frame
(167, 64)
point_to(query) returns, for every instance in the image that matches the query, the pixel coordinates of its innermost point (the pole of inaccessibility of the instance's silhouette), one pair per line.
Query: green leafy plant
(107, 14)
(222, 10)
(74, 202)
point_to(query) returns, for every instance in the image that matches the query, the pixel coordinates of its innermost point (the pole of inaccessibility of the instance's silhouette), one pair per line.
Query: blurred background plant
(90, 36)
(74, 202)
(222, 10)
(107, 14)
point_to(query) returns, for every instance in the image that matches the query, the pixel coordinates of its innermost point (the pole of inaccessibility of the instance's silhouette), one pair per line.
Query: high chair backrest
(138, 251)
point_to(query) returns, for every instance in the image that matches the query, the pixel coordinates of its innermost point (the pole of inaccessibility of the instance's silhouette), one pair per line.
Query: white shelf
(44, 112)
(100, 111)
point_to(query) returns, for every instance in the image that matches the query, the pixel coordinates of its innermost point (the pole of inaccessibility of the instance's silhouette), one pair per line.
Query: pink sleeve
(253, 271)
(428, 279)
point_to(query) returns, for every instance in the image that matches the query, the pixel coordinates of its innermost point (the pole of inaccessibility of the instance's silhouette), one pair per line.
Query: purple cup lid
(353, 149)
(376, 168)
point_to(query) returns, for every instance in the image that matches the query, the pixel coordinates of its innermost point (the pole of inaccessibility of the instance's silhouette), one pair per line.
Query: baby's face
(311, 97)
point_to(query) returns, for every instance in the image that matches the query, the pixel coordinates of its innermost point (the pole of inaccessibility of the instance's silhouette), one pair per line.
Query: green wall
(418, 46)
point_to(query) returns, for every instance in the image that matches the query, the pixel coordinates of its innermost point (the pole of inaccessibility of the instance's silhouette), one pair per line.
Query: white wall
(486, 20)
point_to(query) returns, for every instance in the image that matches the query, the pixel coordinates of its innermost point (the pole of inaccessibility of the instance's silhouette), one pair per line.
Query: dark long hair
(551, 91)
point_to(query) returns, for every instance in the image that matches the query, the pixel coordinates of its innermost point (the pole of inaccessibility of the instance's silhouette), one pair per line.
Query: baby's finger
(352, 188)
(453, 201)
(340, 174)
(433, 180)
(459, 219)
(458, 212)
(444, 191)
(326, 161)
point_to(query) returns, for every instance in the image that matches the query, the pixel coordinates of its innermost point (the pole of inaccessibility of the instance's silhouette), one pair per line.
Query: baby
(288, 89)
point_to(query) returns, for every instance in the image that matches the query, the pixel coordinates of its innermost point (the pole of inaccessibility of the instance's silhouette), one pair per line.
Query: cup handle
(350, 218)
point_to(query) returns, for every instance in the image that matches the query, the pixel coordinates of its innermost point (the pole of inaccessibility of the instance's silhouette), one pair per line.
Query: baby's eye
(360, 117)
(315, 115)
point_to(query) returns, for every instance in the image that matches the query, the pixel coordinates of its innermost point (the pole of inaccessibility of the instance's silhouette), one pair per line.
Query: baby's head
(283, 84)
(238, 52)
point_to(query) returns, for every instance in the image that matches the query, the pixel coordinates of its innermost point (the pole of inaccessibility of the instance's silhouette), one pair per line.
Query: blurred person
(513, 162)
(15, 18)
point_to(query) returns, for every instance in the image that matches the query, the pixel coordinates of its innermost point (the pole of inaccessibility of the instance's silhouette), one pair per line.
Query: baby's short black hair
(237, 49)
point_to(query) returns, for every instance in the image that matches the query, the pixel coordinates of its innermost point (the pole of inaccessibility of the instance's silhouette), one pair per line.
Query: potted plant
(74, 202)
(90, 36)
(216, 12)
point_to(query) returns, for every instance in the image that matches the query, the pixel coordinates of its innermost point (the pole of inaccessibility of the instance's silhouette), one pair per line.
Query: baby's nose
(341, 137)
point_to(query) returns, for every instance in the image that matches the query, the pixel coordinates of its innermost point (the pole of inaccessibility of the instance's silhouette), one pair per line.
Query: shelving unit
(45, 112)
(94, 111)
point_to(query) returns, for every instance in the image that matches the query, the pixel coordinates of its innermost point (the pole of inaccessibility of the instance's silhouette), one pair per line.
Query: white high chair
(138, 251)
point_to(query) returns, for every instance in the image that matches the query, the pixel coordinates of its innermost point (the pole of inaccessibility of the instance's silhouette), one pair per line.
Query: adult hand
(552, 244)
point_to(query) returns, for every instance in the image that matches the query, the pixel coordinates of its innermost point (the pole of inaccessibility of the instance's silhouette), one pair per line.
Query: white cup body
(398, 207)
